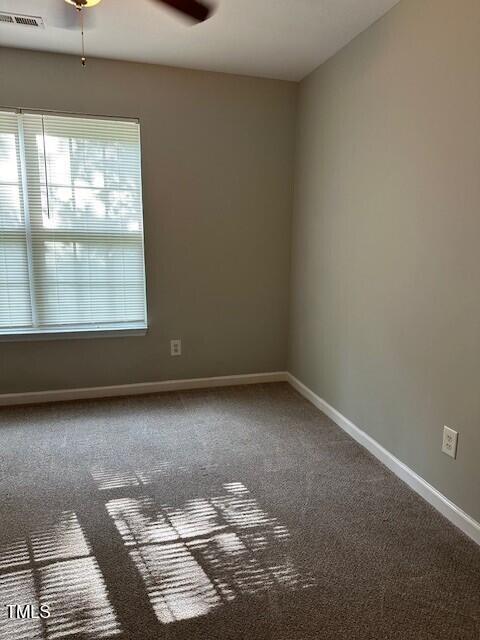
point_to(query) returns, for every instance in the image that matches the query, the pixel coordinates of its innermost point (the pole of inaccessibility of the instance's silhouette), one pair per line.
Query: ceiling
(284, 39)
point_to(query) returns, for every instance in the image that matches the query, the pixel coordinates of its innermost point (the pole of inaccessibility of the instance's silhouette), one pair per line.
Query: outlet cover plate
(450, 440)
(175, 347)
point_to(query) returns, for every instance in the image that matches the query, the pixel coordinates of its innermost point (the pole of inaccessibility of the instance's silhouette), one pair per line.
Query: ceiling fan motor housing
(83, 4)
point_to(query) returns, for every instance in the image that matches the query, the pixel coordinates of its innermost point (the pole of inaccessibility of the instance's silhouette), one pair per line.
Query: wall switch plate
(175, 347)
(450, 439)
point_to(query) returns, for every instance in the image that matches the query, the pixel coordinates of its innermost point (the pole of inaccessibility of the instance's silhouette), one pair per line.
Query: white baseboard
(142, 388)
(447, 508)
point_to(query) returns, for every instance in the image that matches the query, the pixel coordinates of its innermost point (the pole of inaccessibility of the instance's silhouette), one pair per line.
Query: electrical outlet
(450, 439)
(175, 347)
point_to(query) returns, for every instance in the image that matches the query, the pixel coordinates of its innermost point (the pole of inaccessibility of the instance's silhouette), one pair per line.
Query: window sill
(72, 334)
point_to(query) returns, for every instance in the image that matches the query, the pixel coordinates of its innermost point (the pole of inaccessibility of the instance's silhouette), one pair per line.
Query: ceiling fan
(196, 10)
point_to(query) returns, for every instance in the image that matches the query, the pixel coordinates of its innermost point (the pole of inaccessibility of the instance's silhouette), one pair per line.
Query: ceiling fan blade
(199, 11)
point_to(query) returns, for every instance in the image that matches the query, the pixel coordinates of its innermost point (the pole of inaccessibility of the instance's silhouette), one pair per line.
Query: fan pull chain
(84, 60)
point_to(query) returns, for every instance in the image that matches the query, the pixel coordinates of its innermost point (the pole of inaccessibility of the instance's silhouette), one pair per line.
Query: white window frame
(34, 333)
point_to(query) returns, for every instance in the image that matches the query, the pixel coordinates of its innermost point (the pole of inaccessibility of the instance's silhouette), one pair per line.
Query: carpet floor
(226, 514)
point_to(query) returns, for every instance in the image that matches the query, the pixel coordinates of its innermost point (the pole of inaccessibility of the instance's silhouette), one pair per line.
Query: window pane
(89, 282)
(85, 207)
(15, 303)
(8, 151)
(11, 214)
(14, 288)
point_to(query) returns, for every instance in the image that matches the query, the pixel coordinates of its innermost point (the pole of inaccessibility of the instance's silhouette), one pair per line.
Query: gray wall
(385, 315)
(218, 174)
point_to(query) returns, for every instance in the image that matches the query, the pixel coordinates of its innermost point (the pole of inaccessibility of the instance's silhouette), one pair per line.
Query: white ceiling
(284, 39)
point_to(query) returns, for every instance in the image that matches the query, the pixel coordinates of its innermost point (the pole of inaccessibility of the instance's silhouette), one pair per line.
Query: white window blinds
(71, 224)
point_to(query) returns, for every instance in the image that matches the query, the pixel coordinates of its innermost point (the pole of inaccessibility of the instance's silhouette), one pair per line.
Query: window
(71, 225)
